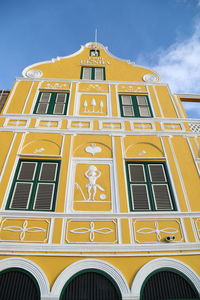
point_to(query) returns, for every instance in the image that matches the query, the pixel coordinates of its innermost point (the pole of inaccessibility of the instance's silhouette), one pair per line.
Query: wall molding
(30, 267)
(159, 263)
(85, 264)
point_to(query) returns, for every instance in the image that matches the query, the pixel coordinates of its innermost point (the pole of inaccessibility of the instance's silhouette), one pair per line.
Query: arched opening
(89, 285)
(18, 284)
(166, 284)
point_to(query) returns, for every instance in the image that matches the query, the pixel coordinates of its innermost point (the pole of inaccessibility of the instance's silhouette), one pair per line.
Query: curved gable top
(69, 67)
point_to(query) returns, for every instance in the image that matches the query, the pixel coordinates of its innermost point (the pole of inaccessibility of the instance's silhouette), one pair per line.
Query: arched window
(89, 285)
(18, 284)
(167, 284)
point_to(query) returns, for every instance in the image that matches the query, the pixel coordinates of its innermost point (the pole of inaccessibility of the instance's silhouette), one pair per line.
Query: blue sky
(161, 34)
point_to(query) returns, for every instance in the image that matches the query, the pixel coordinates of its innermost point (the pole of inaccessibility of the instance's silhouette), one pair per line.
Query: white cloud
(179, 65)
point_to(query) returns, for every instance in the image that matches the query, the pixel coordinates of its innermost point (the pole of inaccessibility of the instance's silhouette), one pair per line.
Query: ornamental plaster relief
(55, 85)
(24, 230)
(132, 88)
(93, 105)
(91, 231)
(92, 187)
(156, 231)
(93, 87)
(93, 148)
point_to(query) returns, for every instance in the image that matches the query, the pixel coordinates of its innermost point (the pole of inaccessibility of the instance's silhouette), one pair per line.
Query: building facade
(99, 183)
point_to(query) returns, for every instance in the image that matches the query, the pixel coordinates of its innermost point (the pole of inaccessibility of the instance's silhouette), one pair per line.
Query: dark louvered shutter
(168, 285)
(157, 173)
(162, 197)
(48, 171)
(140, 196)
(136, 173)
(17, 285)
(44, 196)
(139, 192)
(21, 195)
(27, 171)
(91, 286)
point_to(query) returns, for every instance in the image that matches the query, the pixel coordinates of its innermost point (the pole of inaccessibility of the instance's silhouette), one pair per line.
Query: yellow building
(99, 183)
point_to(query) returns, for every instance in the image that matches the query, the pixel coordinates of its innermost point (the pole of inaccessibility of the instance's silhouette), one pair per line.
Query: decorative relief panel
(92, 187)
(15, 122)
(48, 124)
(24, 230)
(132, 88)
(143, 126)
(171, 126)
(93, 88)
(93, 105)
(55, 85)
(92, 149)
(79, 124)
(91, 231)
(111, 125)
(197, 225)
(156, 231)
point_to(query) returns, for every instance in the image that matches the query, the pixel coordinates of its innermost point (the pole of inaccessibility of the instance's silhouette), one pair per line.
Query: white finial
(96, 35)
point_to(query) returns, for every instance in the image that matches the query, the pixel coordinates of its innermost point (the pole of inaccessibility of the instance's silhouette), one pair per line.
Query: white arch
(85, 264)
(159, 263)
(30, 267)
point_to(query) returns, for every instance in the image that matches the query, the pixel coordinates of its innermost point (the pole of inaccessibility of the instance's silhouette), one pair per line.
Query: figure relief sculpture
(92, 174)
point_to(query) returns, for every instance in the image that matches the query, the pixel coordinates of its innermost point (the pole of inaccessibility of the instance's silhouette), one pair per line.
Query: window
(135, 106)
(94, 52)
(149, 186)
(35, 185)
(52, 103)
(92, 73)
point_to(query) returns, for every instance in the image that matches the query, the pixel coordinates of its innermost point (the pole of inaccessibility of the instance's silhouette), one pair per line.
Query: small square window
(94, 52)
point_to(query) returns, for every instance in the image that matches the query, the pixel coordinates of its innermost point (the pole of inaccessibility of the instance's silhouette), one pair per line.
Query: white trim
(113, 254)
(158, 101)
(12, 173)
(7, 156)
(180, 106)
(34, 102)
(159, 263)
(177, 122)
(28, 96)
(44, 119)
(85, 264)
(116, 203)
(151, 104)
(171, 177)
(30, 267)
(186, 96)
(5, 125)
(173, 102)
(193, 155)
(135, 215)
(179, 174)
(68, 80)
